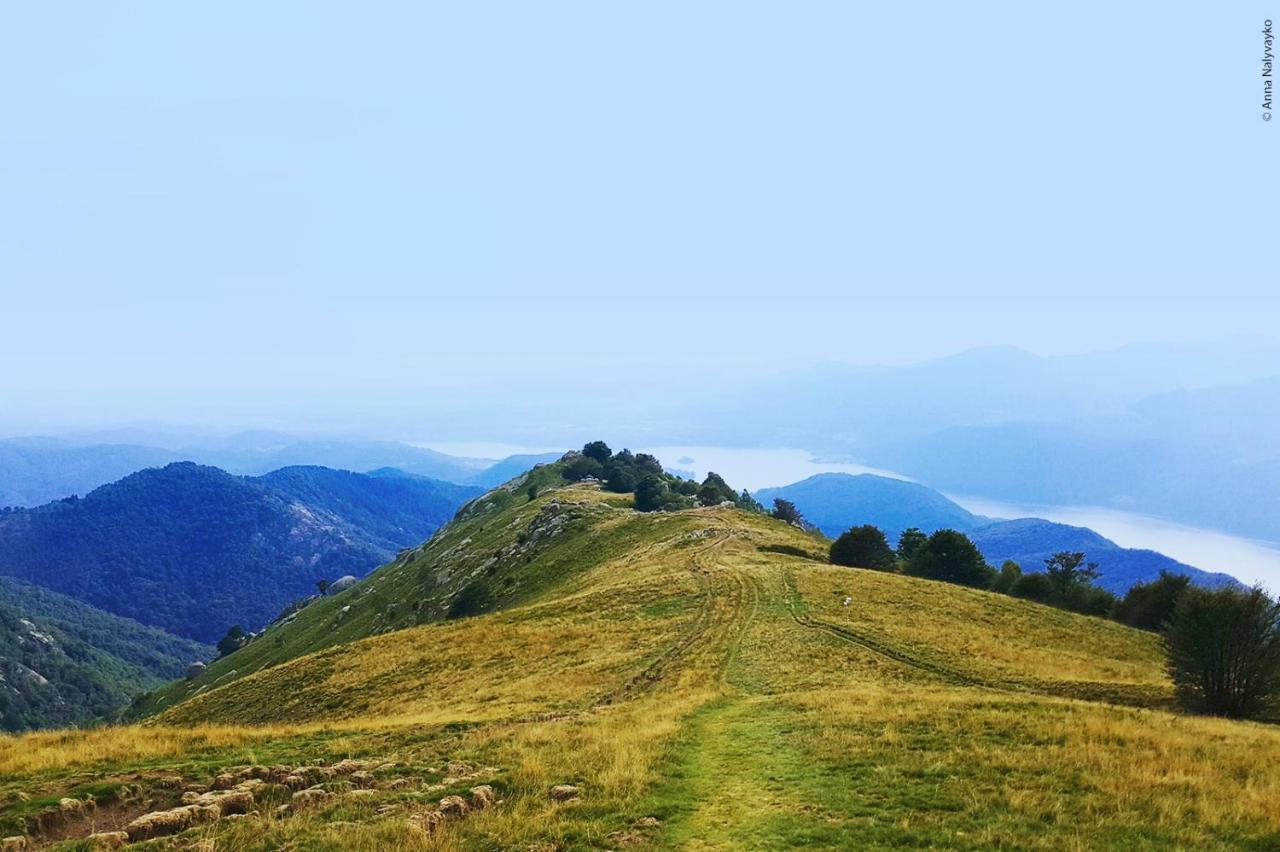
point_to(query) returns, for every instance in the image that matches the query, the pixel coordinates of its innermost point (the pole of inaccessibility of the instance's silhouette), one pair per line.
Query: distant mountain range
(836, 501)
(34, 471)
(193, 549)
(63, 662)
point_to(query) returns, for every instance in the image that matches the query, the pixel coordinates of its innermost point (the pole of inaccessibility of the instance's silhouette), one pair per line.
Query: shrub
(474, 599)
(234, 640)
(620, 479)
(1149, 605)
(1033, 587)
(581, 467)
(863, 547)
(651, 494)
(1224, 651)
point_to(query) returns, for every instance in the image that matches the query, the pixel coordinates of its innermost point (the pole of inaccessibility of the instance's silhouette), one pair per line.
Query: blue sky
(260, 198)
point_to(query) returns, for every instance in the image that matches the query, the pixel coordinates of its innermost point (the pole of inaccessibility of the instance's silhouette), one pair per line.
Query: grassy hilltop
(697, 676)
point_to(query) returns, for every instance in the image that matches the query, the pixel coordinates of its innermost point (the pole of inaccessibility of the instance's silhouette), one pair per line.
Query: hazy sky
(307, 197)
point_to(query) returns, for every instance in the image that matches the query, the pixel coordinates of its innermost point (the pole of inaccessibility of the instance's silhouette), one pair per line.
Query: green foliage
(1065, 572)
(652, 494)
(475, 598)
(1224, 651)
(621, 479)
(749, 503)
(65, 663)
(1033, 587)
(715, 490)
(950, 556)
(863, 547)
(599, 451)
(1010, 574)
(234, 640)
(1150, 605)
(909, 542)
(580, 467)
(786, 511)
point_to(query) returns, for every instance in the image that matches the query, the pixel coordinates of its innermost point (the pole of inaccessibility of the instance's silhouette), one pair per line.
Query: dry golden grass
(683, 686)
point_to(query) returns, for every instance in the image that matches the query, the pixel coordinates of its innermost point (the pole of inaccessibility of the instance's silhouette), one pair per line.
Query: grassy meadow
(703, 684)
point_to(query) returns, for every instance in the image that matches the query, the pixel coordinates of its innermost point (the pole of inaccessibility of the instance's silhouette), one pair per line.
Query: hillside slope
(698, 682)
(193, 549)
(63, 662)
(836, 501)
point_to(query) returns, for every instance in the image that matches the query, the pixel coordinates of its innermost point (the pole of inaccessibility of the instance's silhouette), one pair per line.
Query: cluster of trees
(625, 472)
(1223, 644)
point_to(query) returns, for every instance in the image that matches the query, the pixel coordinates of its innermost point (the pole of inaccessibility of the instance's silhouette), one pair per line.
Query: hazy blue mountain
(63, 662)
(836, 501)
(37, 470)
(511, 467)
(193, 549)
(1053, 464)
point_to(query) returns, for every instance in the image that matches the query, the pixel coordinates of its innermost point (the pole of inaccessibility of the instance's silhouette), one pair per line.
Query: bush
(950, 556)
(1010, 574)
(863, 547)
(1033, 587)
(474, 599)
(620, 479)
(651, 494)
(581, 467)
(234, 640)
(1224, 651)
(1149, 605)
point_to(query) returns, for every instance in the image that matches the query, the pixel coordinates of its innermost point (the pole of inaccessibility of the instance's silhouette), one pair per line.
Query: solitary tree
(235, 638)
(863, 547)
(322, 586)
(785, 510)
(1065, 571)
(909, 542)
(1224, 651)
(950, 556)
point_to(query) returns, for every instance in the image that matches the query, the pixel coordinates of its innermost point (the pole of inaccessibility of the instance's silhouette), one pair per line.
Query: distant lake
(1248, 560)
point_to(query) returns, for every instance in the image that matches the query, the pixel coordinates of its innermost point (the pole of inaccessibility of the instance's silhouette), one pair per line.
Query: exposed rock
(15, 843)
(482, 797)
(347, 766)
(648, 822)
(454, 806)
(70, 807)
(107, 840)
(229, 802)
(295, 782)
(565, 792)
(190, 797)
(342, 584)
(362, 780)
(225, 781)
(195, 670)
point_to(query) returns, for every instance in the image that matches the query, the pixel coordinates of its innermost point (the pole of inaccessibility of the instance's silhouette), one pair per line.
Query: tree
(909, 542)
(950, 556)
(651, 494)
(746, 501)
(1010, 574)
(785, 510)
(863, 547)
(646, 464)
(234, 640)
(322, 586)
(1149, 605)
(1065, 573)
(1224, 651)
(599, 451)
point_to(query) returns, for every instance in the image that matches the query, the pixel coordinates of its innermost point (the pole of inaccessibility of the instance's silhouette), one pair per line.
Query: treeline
(1223, 644)
(625, 472)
